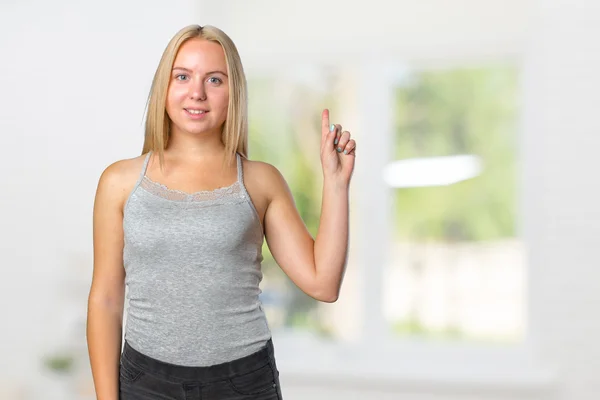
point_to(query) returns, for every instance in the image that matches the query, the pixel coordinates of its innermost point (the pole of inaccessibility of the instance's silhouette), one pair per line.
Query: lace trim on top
(220, 195)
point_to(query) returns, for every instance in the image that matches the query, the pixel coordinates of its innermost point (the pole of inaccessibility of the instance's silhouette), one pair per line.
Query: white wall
(275, 32)
(561, 191)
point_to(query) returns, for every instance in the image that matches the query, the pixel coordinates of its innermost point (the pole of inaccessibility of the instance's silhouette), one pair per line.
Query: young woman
(182, 226)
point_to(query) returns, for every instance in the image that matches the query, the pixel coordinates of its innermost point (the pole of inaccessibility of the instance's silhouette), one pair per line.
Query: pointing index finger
(325, 122)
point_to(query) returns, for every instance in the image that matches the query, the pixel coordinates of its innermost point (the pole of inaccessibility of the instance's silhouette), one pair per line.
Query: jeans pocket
(255, 382)
(129, 372)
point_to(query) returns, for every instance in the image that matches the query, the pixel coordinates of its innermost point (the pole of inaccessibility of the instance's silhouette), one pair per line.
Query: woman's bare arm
(316, 266)
(107, 292)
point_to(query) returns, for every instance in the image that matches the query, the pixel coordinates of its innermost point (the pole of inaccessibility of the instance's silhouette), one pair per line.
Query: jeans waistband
(202, 374)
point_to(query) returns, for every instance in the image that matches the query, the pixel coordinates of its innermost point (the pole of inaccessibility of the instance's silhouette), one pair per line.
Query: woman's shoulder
(125, 168)
(121, 175)
(261, 170)
(263, 175)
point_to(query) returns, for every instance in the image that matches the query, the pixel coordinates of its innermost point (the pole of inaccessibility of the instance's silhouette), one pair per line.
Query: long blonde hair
(158, 124)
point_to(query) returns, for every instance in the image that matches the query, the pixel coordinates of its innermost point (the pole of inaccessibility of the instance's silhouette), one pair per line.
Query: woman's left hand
(337, 151)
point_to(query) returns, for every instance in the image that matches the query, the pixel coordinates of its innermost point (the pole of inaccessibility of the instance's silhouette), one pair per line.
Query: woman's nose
(197, 90)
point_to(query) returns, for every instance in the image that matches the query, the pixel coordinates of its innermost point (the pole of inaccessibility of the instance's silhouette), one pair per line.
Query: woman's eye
(214, 79)
(180, 77)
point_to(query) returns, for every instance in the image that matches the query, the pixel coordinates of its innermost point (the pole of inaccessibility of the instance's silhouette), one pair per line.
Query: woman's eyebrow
(208, 73)
(216, 72)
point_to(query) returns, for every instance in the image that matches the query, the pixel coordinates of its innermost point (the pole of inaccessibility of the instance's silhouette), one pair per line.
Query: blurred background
(473, 270)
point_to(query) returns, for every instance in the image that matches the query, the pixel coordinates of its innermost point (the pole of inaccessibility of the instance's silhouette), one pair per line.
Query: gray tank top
(193, 268)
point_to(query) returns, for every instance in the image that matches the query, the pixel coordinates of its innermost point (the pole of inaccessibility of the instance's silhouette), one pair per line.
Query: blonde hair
(158, 124)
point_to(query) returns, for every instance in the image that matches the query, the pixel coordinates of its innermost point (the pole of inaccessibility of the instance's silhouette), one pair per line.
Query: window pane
(456, 267)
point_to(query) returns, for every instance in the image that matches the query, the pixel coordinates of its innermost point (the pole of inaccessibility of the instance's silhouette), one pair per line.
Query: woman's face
(198, 93)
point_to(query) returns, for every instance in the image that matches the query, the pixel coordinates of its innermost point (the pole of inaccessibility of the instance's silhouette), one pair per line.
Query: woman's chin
(197, 129)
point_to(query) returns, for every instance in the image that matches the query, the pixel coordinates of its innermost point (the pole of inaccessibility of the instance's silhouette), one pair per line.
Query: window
(434, 249)
(456, 264)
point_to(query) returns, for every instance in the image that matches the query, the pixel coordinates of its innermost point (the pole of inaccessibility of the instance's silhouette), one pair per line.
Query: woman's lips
(195, 113)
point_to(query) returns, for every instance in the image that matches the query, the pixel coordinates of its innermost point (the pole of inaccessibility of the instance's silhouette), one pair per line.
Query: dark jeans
(252, 377)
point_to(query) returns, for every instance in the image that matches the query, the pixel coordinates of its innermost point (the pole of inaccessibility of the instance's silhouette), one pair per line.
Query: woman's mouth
(195, 113)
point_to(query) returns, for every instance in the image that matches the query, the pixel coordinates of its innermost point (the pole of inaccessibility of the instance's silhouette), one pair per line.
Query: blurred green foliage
(459, 111)
(61, 363)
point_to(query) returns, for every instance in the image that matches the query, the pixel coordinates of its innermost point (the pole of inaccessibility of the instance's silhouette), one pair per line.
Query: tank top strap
(145, 165)
(140, 178)
(240, 173)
